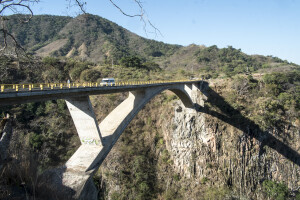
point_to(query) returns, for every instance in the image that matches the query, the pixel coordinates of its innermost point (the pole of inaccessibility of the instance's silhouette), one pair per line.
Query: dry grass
(53, 46)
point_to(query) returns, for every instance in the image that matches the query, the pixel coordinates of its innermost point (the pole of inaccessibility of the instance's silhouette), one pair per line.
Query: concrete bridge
(74, 179)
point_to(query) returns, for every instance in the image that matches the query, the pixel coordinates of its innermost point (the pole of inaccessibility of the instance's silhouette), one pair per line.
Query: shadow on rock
(236, 119)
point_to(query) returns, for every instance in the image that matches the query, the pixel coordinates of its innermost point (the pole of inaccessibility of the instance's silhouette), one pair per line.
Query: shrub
(216, 193)
(298, 196)
(131, 61)
(176, 177)
(50, 61)
(36, 140)
(90, 75)
(76, 71)
(151, 66)
(204, 180)
(278, 191)
(172, 194)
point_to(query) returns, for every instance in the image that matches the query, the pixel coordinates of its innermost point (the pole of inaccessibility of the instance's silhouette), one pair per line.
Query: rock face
(5, 136)
(206, 148)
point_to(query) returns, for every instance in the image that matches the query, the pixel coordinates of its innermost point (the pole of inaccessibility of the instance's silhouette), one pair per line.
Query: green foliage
(176, 177)
(66, 48)
(90, 75)
(161, 141)
(283, 91)
(298, 196)
(172, 194)
(110, 41)
(204, 180)
(38, 30)
(271, 101)
(228, 60)
(278, 191)
(172, 97)
(131, 61)
(40, 111)
(152, 66)
(279, 82)
(166, 158)
(77, 68)
(138, 174)
(36, 140)
(50, 61)
(115, 196)
(18, 71)
(215, 193)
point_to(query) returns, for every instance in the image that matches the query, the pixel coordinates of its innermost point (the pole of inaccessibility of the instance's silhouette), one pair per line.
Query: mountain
(98, 40)
(86, 36)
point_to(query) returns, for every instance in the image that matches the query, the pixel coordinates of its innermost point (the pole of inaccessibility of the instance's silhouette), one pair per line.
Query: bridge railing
(51, 86)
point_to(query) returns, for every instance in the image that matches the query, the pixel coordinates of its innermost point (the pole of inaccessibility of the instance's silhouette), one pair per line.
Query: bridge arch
(98, 140)
(116, 122)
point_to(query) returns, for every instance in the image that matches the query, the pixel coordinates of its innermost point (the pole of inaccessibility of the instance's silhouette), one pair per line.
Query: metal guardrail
(51, 86)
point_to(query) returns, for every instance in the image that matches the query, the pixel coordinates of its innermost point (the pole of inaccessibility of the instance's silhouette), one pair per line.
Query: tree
(131, 61)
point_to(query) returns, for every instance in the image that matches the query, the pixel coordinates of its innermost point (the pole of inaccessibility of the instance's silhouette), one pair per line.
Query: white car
(107, 82)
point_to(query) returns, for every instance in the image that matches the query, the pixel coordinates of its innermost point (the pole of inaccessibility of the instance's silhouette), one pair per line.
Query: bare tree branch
(13, 5)
(81, 5)
(142, 15)
(138, 15)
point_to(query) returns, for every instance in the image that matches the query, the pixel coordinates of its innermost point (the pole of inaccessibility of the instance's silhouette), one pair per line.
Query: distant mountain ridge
(86, 36)
(95, 39)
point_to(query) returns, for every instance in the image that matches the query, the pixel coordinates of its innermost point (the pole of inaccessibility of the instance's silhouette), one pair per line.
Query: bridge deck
(11, 96)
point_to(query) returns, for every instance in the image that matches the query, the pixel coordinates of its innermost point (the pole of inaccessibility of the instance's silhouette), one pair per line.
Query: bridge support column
(85, 122)
(74, 179)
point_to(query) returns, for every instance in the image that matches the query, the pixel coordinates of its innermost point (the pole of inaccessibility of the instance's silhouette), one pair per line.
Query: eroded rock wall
(205, 150)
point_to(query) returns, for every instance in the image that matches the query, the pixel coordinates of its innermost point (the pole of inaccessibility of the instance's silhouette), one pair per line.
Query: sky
(265, 27)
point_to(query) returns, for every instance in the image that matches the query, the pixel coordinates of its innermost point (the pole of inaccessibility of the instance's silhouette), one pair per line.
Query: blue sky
(266, 27)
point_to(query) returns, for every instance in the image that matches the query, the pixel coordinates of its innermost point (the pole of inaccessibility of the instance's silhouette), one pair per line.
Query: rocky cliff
(205, 155)
(206, 151)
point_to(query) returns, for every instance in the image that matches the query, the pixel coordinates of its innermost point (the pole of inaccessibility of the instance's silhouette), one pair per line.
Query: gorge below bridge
(73, 180)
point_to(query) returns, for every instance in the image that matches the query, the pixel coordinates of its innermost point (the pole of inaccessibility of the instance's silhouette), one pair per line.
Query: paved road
(10, 96)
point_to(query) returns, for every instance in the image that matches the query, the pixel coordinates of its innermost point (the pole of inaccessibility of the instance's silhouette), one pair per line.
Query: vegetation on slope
(86, 37)
(270, 101)
(92, 38)
(38, 32)
(213, 62)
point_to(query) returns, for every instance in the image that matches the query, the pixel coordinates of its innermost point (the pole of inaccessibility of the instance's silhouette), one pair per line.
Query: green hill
(86, 37)
(95, 39)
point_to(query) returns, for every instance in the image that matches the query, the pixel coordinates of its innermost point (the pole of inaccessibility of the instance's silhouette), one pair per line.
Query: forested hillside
(86, 37)
(95, 39)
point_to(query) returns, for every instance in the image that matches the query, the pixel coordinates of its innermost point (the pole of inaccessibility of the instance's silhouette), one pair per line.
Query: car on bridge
(108, 82)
